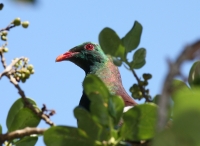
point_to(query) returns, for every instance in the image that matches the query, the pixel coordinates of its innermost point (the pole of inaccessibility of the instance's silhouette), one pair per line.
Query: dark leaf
(111, 43)
(24, 118)
(132, 38)
(86, 123)
(194, 75)
(66, 136)
(27, 141)
(116, 106)
(15, 108)
(138, 59)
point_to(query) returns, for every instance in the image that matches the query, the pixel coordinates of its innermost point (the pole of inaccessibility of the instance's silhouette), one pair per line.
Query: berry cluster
(15, 22)
(136, 88)
(22, 70)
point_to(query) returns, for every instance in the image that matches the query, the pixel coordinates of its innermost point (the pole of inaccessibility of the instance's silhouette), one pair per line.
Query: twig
(20, 133)
(21, 92)
(9, 67)
(189, 53)
(142, 88)
(8, 27)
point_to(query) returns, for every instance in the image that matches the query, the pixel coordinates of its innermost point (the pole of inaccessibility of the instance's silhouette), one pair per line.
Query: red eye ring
(89, 47)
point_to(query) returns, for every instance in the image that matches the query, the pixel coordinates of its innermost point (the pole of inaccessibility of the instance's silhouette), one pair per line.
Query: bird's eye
(89, 47)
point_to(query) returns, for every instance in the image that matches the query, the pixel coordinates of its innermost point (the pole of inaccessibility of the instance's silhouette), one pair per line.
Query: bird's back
(109, 74)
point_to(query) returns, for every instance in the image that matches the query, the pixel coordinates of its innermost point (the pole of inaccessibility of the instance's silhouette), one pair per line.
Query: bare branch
(189, 53)
(20, 133)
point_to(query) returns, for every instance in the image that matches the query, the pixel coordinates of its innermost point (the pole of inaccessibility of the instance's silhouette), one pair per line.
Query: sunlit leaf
(139, 122)
(179, 86)
(186, 100)
(93, 84)
(185, 131)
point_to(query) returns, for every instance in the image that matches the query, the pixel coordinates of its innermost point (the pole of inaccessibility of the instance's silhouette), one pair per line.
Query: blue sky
(57, 26)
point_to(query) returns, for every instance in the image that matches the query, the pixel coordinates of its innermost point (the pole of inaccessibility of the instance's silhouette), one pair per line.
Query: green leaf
(194, 75)
(178, 86)
(132, 38)
(85, 122)
(186, 100)
(139, 122)
(111, 43)
(116, 106)
(93, 85)
(156, 99)
(98, 94)
(1, 129)
(24, 118)
(27, 141)
(185, 131)
(138, 59)
(99, 110)
(15, 108)
(63, 135)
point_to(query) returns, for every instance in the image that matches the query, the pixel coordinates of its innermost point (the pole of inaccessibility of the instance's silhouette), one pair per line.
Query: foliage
(106, 124)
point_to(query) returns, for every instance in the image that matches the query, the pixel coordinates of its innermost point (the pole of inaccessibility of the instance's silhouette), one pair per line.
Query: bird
(91, 58)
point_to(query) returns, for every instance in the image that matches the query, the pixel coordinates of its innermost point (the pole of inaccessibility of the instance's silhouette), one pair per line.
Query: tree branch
(20, 133)
(189, 53)
(8, 27)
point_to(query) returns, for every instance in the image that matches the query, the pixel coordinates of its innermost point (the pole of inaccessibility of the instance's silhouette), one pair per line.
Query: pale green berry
(25, 24)
(23, 75)
(25, 60)
(17, 22)
(30, 67)
(32, 72)
(27, 72)
(4, 38)
(4, 33)
(5, 49)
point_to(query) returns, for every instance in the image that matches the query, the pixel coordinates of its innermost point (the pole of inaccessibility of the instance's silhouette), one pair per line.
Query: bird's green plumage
(94, 61)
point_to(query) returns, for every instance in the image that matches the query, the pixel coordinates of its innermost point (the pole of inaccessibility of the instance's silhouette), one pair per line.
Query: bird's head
(86, 55)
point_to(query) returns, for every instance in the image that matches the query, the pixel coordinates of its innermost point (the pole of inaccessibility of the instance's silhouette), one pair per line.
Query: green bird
(91, 58)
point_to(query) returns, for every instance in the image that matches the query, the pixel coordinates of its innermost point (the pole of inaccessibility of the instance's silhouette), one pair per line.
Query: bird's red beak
(65, 56)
